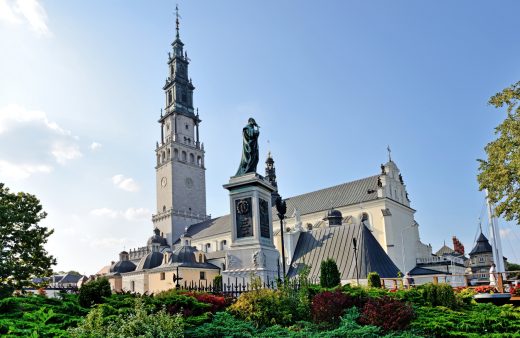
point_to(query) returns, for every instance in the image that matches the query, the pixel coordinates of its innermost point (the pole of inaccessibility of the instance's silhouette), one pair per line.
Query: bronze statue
(249, 159)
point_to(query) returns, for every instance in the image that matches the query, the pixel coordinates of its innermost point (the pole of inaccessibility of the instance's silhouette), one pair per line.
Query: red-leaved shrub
(329, 306)
(387, 313)
(218, 303)
(486, 289)
(515, 291)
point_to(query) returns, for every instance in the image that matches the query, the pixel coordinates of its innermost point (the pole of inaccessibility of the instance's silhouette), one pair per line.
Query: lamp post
(354, 243)
(281, 207)
(176, 278)
(402, 245)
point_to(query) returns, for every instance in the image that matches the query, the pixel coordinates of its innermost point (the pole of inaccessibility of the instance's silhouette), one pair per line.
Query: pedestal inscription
(244, 217)
(264, 219)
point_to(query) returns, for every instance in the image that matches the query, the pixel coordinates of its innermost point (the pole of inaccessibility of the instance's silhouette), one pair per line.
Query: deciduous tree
(500, 172)
(22, 240)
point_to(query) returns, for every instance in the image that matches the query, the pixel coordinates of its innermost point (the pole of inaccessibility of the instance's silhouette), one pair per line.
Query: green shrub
(223, 325)
(329, 274)
(93, 292)
(175, 302)
(217, 282)
(465, 297)
(439, 295)
(264, 307)
(374, 281)
(140, 323)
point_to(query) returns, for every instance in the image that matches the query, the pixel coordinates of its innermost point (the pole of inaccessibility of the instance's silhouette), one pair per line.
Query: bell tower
(180, 170)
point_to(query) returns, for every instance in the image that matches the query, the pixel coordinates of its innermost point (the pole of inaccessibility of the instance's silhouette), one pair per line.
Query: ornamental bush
(218, 303)
(329, 306)
(93, 292)
(329, 274)
(387, 313)
(374, 281)
(439, 295)
(264, 307)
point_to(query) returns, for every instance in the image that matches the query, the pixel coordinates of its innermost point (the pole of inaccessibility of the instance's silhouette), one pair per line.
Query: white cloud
(125, 183)
(108, 242)
(130, 214)
(505, 232)
(25, 11)
(14, 114)
(21, 171)
(65, 152)
(95, 146)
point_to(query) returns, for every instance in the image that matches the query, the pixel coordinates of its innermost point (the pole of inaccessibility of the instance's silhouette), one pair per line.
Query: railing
(433, 260)
(501, 281)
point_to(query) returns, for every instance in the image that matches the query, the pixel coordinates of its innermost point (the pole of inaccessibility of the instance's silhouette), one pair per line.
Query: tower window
(187, 127)
(184, 156)
(175, 153)
(199, 161)
(192, 158)
(169, 97)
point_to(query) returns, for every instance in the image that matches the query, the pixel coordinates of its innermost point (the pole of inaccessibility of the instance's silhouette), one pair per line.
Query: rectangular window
(481, 259)
(202, 275)
(132, 286)
(162, 276)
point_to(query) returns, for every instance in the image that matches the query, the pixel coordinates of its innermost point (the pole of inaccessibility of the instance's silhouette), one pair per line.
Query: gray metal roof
(150, 261)
(321, 200)
(336, 242)
(334, 197)
(482, 246)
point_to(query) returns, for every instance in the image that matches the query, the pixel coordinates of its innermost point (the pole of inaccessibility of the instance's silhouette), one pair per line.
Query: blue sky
(331, 84)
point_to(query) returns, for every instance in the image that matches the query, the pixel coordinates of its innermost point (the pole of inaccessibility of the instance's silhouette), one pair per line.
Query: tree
(21, 240)
(329, 274)
(93, 292)
(500, 173)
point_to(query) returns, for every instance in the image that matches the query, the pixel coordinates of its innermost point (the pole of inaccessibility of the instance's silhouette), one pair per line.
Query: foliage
(264, 307)
(218, 303)
(40, 316)
(479, 320)
(217, 282)
(180, 303)
(329, 274)
(329, 306)
(23, 253)
(93, 292)
(464, 297)
(223, 325)
(374, 281)
(140, 323)
(500, 173)
(439, 295)
(387, 313)
(513, 267)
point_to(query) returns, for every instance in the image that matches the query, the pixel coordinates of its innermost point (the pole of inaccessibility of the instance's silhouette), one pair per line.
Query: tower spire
(177, 16)
(389, 153)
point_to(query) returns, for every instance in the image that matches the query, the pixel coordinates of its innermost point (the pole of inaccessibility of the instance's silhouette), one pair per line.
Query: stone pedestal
(251, 251)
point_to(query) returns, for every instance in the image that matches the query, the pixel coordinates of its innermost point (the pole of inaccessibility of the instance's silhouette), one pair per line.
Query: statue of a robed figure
(249, 159)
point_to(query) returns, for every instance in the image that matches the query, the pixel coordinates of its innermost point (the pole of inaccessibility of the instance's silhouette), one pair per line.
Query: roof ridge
(334, 186)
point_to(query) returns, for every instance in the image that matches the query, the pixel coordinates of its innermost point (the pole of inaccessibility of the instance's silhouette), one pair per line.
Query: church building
(365, 225)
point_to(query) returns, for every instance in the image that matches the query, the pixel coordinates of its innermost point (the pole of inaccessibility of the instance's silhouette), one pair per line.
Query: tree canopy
(500, 172)
(22, 253)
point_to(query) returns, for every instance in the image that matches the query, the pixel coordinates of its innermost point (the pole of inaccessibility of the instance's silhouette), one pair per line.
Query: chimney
(457, 246)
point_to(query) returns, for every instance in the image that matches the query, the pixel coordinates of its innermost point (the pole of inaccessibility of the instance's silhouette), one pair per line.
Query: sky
(331, 84)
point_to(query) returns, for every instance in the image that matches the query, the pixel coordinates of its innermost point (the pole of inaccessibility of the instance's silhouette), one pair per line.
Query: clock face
(189, 183)
(164, 181)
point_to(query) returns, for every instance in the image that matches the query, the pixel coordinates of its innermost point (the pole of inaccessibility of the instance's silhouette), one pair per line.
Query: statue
(250, 148)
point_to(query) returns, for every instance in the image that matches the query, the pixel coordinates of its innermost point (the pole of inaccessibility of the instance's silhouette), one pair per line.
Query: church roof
(482, 246)
(354, 192)
(349, 193)
(445, 250)
(336, 243)
(122, 267)
(150, 261)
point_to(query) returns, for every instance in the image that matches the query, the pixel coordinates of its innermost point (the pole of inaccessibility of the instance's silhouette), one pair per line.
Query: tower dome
(157, 239)
(123, 265)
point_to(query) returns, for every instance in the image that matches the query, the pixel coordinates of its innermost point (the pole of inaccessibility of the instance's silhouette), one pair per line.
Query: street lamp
(354, 242)
(281, 207)
(402, 244)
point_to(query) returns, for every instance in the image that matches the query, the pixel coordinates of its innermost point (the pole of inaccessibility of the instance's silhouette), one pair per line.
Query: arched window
(175, 153)
(168, 154)
(184, 156)
(169, 97)
(163, 156)
(199, 161)
(192, 158)
(200, 258)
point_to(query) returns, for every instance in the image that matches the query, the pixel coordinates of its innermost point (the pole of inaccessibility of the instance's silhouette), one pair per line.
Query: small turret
(270, 175)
